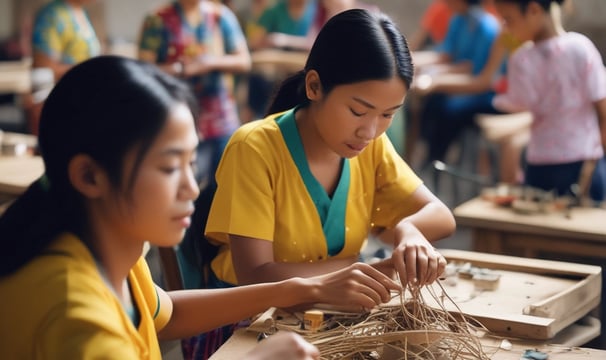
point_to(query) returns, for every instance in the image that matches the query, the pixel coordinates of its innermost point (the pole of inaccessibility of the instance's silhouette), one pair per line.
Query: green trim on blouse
(331, 211)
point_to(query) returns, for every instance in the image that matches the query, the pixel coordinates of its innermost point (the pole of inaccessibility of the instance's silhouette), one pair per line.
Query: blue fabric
(445, 116)
(560, 177)
(277, 19)
(470, 37)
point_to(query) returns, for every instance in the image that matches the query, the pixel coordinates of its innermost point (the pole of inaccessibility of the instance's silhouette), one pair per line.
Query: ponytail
(32, 222)
(290, 94)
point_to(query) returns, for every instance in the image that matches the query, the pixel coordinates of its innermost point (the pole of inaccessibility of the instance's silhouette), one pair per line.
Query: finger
(377, 285)
(411, 265)
(441, 265)
(400, 264)
(378, 275)
(430, 271)
(422, 267)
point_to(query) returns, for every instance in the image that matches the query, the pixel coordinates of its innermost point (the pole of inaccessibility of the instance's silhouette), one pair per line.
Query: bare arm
(235, 62)
(43, 60)
(255, 262)
(600, 107)
(459, 83)
(196, 311)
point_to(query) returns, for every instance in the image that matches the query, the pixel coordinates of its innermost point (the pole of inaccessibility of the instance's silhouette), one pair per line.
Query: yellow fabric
(261, 195)
(58, 307)
(510, 43)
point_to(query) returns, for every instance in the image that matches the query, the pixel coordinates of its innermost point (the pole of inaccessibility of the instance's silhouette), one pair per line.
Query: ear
(313, 86)
(87, 176)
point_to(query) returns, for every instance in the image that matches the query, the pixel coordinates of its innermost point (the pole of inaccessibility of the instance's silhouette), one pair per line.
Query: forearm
(192, 312)
(229, 63)
(41, 60)
(277, 271)
(460, 83)
(434, 221)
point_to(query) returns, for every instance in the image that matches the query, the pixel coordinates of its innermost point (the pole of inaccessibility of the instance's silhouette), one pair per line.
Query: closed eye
(356, 113)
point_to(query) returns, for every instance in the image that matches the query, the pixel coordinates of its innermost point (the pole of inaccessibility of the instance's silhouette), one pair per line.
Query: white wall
(6, 18)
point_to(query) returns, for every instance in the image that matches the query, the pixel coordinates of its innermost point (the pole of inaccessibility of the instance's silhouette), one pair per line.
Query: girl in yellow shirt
(300, 191)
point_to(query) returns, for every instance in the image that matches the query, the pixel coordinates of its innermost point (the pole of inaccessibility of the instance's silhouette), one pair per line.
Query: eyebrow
(371, 106)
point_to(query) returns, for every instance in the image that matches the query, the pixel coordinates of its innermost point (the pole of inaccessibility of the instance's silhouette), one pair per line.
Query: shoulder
(578, 43)
(257, 132)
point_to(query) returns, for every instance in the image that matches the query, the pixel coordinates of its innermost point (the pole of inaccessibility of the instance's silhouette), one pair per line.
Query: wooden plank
(535, 299)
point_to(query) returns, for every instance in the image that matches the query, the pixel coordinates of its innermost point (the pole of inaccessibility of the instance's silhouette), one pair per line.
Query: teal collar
(331, 211)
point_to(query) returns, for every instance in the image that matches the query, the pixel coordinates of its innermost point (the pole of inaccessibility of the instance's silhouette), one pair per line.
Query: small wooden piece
(488, 282)
(313, 320)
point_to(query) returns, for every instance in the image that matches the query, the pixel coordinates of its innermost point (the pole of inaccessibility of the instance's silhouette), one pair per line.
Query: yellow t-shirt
(58, 307)
(261, 194)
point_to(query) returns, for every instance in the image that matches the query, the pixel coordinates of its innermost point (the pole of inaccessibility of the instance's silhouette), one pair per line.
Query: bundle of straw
(408, 329)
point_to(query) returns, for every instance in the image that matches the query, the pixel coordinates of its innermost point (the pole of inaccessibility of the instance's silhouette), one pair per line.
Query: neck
(114, 253)
(315, 149)
(553, 24)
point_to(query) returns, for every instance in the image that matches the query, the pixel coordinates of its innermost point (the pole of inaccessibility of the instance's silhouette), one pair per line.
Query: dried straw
(409, 329)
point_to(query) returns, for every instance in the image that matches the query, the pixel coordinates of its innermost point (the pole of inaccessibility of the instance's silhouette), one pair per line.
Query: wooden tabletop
(15, 77)
(584, 223)
(242, 341)
(18, 172)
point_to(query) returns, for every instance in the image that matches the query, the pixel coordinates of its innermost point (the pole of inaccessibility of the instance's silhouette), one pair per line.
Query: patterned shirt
(57, 34)
(168, 34)
(558, 80)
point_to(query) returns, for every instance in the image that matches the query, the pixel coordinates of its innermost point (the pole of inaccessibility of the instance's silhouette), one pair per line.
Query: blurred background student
(286, 25)
(559, 77)
(201, 41)
(62, 36)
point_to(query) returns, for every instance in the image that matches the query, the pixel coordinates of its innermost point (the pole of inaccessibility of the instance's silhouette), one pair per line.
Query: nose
(368, 129)
(189, 189)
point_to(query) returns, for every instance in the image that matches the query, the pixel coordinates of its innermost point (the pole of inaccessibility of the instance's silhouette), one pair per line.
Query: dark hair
(103, 108)
(524, 3)
(353, 46)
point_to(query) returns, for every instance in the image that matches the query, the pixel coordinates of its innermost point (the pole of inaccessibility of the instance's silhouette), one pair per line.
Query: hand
(276, 40)
(415, 259)
(284, 345)
(199, 66)
(356, 287)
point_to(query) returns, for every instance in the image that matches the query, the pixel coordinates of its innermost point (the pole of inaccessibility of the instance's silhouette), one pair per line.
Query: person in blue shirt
(466, 49)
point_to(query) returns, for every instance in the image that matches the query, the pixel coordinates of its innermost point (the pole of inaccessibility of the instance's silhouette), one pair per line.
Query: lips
(358, 147)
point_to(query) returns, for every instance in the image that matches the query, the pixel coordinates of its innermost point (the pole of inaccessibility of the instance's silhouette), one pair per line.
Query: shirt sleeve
(244, 196)
(46, 34)
(394, 185)
(233, 37)
(519, 93)
(267, 20)
(448, 45)
(594, 72)
(151, 34)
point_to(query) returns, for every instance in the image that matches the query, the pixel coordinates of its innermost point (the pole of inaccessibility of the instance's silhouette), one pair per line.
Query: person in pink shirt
(560, 78)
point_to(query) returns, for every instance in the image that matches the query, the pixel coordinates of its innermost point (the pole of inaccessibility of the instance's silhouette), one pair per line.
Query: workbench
(546, 310)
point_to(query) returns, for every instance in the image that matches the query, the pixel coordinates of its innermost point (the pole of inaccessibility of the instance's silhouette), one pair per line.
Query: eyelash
(170, 170)
(386, 116)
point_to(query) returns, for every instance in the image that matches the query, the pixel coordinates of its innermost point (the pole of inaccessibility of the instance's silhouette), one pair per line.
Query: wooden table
(18, 172)
(501, 230)
(15, 77)
(243, 341)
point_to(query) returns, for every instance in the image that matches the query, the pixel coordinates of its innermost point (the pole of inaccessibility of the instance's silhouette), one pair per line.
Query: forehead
(382, 94)
(179, 129)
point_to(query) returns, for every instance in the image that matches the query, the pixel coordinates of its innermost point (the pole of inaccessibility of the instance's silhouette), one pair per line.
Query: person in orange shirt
(433, 27)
